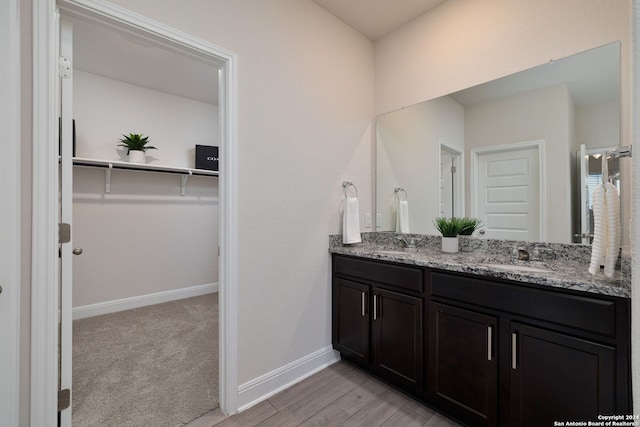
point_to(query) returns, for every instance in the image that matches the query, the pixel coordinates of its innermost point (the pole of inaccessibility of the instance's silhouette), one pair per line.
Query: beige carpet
(152, 366)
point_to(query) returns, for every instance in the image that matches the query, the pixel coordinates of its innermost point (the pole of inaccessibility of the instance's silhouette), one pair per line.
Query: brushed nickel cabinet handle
(363, 296)
(489, 338)
(375, 306)
(514, 350)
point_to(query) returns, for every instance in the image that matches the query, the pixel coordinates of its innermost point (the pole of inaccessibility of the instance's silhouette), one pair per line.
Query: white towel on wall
(606, 233)
(351, 221)
(402, 217)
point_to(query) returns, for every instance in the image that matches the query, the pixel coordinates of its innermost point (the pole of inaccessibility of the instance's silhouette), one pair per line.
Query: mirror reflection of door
(590, 176)
(450, 183)
(507, 191)
(447, 173)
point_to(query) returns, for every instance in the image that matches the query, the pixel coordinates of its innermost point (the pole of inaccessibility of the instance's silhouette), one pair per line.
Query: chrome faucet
(409, 242)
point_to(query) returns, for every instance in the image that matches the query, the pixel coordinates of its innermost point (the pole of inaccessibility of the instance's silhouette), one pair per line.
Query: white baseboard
(265, 386)
(142, 301)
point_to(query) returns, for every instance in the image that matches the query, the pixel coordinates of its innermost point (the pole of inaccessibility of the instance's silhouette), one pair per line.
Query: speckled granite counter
(552, 265)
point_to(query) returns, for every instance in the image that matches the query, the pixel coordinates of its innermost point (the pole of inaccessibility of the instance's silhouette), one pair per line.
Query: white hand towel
(598, 246)
(402, 217)
(612, 203)
(351, 221)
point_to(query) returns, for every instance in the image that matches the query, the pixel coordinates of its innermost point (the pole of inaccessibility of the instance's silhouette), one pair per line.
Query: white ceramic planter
(450, 244)
(137, 156)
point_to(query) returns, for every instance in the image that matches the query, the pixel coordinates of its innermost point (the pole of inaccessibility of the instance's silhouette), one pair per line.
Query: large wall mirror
(506, 151)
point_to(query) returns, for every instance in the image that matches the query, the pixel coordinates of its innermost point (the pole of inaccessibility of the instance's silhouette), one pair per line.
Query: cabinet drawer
(397, 276)
(582, 312)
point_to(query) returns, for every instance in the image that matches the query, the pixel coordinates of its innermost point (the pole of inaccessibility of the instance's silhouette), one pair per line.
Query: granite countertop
(561, 266)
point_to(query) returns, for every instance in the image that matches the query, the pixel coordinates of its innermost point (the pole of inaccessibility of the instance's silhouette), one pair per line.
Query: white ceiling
(120, 55)
(128, 57)
(377, 18)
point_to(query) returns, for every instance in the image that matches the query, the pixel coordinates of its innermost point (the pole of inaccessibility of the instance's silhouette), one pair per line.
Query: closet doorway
(86, 153)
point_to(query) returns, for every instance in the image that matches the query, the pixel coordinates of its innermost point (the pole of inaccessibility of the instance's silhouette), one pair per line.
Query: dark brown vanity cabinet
(463, 368)
(378, 319)
(556, 376)
(397, 338)
(517, 355)
(487, 352)
(351, 308)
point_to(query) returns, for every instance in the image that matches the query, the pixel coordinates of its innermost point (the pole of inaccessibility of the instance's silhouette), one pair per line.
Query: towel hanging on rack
(402, 212)
(350, 216)
(606, 234)
(612, 200)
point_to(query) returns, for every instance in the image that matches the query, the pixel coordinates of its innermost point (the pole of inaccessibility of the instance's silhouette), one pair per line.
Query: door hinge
(64, 233)
(64, 399)
(64, 67)
(453, 169)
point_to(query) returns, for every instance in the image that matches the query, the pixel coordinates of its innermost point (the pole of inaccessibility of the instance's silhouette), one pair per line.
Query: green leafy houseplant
(449, 227)
(135, 142)
(469, 225)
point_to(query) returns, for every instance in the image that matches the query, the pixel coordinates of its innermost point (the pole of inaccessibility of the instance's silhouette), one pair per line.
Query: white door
(10, 214)
(507, 192)
(66, 207)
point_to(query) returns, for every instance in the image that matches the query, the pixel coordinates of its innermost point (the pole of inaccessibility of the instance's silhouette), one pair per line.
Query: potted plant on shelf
(449, 228)
(469, 225)
(136, 145)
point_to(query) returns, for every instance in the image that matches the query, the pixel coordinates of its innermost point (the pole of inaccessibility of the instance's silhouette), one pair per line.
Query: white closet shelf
(109, 165)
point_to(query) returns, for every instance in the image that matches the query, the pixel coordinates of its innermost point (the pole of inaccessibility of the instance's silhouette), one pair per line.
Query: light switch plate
(367, 220)
(379, 220)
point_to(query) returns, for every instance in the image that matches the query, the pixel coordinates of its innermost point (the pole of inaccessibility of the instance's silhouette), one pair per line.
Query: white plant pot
(137, 156)
(450, 245)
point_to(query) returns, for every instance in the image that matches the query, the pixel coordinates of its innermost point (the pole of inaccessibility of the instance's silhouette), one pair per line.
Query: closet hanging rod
(78, 161)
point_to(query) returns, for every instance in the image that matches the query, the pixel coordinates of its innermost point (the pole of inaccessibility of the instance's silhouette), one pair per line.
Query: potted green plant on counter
(469, 225)
(136, 145)
(450, 229)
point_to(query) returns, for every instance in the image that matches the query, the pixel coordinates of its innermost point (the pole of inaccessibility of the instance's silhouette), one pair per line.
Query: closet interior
(148, 232)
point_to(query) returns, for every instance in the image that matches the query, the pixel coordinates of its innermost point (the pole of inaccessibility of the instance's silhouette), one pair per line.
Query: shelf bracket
(107, 179)
(183, 187)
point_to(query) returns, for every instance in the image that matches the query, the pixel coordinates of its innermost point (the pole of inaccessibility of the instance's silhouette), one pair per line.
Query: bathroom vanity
(487, 340)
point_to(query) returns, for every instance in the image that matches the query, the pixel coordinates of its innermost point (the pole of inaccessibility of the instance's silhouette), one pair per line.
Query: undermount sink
(512, 267)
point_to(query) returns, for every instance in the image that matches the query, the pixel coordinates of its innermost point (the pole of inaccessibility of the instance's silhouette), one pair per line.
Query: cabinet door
(462, 363)
(397, 338)
(351, 320)
(556, 377)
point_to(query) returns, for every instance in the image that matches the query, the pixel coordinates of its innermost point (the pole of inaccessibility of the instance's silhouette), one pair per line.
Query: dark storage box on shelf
(207, 157)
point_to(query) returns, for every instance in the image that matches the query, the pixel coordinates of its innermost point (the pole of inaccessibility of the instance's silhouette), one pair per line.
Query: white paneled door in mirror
(507, 192)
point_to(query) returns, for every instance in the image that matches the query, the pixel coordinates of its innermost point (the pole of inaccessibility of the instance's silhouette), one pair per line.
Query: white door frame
(44, 310)
(539, 145)
(10, 212)
(458, 187)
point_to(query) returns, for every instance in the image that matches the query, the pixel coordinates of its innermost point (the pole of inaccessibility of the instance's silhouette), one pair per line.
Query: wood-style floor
(339, 395)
